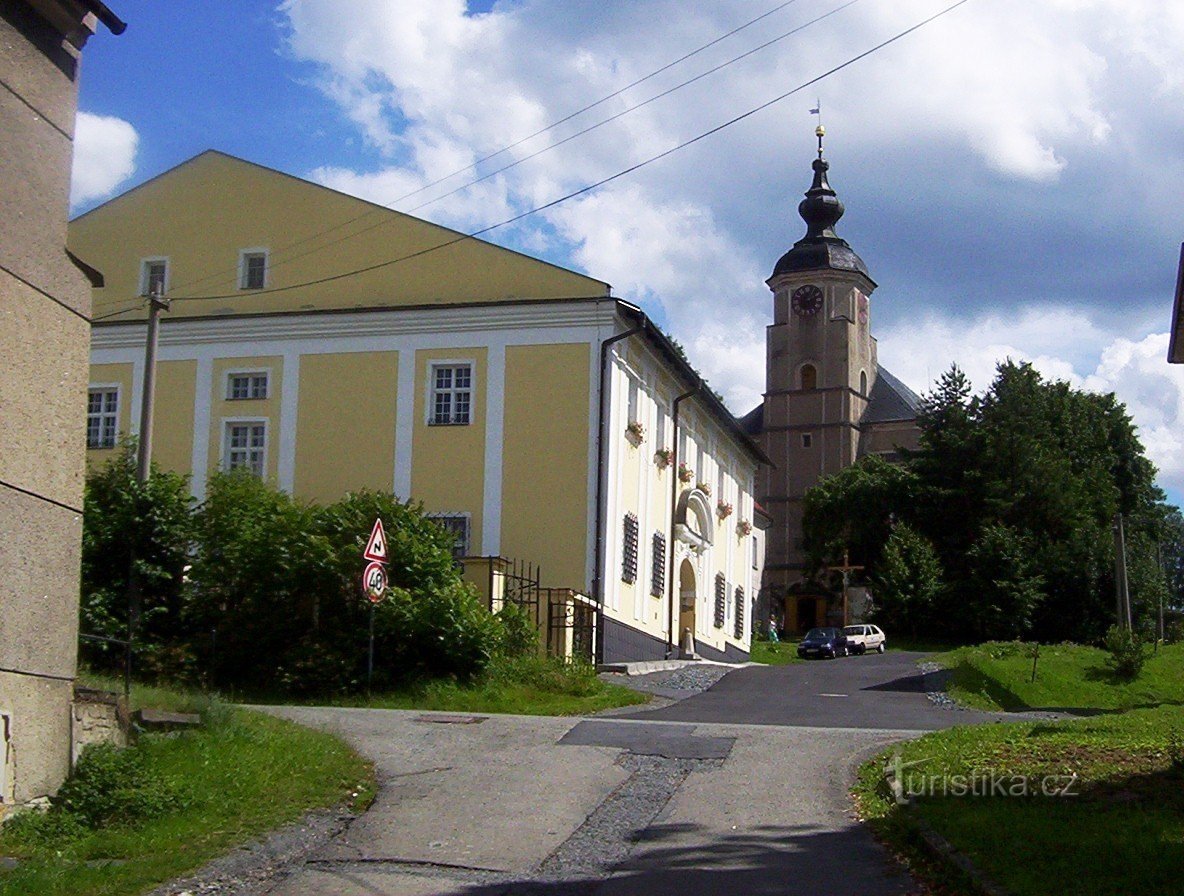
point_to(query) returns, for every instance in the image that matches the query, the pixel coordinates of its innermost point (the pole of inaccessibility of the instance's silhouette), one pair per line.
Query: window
(252, 269)
(863, 382)
(240, 386)
(807, 440)
(246, 446)
(154, 276)
(629, 550)
(456, 524)
(452, 394)
(809, 377)
(739, 630)
(721, 598)
(102, 416)
(658, 565)
(660, 434)
(634, 401)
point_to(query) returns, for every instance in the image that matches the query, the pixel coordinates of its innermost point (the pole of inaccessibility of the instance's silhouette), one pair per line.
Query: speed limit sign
(374, 581)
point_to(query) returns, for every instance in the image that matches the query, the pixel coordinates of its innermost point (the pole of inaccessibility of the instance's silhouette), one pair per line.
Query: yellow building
(330, 344)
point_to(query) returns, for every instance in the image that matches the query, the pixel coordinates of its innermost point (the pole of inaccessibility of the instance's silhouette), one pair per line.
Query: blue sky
(1011, 173)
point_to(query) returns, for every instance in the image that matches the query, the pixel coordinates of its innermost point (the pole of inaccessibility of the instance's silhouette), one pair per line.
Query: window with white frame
(660, 433)
(102, 416)
(246, 446)
(154, 276)
(252, 269)
(457, 525)
(242, 385)
(451, 394)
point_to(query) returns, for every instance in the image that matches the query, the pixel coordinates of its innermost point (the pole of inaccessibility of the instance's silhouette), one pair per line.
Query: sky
(1012, 171)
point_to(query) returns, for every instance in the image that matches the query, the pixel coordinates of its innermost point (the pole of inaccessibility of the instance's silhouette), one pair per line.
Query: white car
(862, 638)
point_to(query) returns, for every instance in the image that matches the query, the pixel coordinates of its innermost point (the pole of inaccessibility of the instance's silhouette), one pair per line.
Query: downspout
(672, 622)
(602, 422)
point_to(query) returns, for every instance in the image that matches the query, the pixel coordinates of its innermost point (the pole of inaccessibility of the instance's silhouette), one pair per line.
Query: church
(827, 402)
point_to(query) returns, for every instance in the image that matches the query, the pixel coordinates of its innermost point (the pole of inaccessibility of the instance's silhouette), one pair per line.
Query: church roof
(891, 401)
(821, 248)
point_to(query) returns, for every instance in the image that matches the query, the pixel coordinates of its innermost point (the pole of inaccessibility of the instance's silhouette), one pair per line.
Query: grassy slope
(775, 653)
(998, 676)
(1122, 833)
(240, 777)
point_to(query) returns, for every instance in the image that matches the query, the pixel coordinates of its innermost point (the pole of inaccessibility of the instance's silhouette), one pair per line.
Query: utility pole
(156, 303)
(1122, 593)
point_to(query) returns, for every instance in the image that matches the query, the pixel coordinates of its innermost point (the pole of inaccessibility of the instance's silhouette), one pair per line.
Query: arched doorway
(687, 598)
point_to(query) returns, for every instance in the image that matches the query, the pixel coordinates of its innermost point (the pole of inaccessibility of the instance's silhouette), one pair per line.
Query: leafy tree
(908, 585)
(147, 526)
(1003, 589)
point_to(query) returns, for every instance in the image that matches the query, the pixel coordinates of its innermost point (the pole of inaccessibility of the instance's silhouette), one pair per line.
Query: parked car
(823, 642)
(862, 638)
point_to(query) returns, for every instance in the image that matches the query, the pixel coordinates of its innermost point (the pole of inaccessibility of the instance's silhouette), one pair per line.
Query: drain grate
(442, 719)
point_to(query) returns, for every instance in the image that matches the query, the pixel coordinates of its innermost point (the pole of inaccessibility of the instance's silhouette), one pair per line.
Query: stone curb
(943, 850)
(645, 667)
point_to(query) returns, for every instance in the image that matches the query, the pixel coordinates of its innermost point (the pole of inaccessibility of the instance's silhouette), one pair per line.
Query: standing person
(773, 629)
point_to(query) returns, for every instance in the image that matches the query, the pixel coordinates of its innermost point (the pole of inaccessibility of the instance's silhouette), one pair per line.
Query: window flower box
(663, 457)
(685, 473)
(635, 431)
(704, 487)
(724, 509)
(744, 527)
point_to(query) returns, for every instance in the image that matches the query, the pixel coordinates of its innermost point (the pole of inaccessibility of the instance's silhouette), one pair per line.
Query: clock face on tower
(806, 300)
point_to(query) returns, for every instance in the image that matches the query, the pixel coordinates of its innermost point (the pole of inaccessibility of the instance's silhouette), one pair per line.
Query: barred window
(629, 550)
(452, 394)
(658, 565)
(721, 599)
(457, 525)
(739, 614)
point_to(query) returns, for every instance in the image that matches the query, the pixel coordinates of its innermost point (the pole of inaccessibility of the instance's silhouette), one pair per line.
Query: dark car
(820, 642)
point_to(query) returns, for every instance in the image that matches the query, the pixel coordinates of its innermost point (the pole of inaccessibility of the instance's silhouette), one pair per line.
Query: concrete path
(478, 806)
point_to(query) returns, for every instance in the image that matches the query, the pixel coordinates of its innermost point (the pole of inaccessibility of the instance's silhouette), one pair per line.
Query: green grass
(775, 653)
(1122, 833)
(1068, 676)
(238, 777)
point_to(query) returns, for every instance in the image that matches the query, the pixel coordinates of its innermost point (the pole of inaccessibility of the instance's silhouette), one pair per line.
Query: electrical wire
(600, 183)
(387, 205)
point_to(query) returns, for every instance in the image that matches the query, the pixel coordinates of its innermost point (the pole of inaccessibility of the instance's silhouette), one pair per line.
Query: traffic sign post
(374, 585)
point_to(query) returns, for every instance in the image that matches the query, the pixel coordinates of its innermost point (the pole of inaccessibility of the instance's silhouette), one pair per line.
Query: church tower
(820, 372)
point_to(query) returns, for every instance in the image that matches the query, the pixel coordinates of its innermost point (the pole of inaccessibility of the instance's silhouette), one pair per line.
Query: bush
(518, 635)
(1127, 653)
(113, 786)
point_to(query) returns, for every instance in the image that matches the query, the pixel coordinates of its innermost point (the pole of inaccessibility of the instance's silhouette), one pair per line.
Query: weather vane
(819, 131)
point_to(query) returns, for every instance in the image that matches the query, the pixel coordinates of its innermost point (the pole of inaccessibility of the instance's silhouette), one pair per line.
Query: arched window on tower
(863, 382)
(809, 376)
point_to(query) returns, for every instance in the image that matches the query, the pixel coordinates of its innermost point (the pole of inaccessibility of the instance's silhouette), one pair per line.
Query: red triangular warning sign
(376, 546)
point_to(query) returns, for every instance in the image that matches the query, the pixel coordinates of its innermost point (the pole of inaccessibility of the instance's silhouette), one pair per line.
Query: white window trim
(117, 388)
(226, 423)
(458, 514)
(168, 272)
(429, 396)
(246, 371)
(242, 267)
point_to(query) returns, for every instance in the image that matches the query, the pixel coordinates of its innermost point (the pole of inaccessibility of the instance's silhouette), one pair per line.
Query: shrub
(113, 786)
(1127, 653)
(518, 635)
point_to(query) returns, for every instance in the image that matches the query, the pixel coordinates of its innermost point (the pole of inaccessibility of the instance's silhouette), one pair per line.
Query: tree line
(1000, 524)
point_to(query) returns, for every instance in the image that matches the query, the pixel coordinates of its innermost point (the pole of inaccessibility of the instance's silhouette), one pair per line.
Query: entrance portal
(686, 605)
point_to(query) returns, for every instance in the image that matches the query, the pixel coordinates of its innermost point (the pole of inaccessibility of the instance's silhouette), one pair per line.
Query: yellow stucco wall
(223, 410)
(347, 409)
(172, 428)
(105, 374)
(448, 462)
(197, 216)
(545, 460)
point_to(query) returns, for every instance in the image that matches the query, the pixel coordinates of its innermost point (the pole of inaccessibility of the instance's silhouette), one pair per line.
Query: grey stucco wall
(44, 342)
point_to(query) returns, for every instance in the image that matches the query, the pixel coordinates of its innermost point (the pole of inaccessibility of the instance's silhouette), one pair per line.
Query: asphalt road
(875, 691)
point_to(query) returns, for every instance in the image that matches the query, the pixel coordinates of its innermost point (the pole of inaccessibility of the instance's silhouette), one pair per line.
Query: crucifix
(846, 569)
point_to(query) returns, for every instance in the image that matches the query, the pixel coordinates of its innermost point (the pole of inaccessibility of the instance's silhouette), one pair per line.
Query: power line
(558, 143)
(495, 153)
(600, 183)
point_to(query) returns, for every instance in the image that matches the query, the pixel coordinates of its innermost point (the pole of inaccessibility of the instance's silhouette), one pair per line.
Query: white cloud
(1063, 345)
(104, 156)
